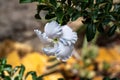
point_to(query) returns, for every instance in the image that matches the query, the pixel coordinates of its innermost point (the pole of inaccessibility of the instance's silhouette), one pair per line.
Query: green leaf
(108, 6)
(3, 61)
(117, 8)
(75, 15)
(85, 1)
(21, 72)
(17, 78)
(1, 68)
(40, 78)
(91, 2)
(84, 5)
(99, 1)
(63, 1)
(14, 70)
(7, 78)
(49, 16)
(43, 7)
(70, 10)
(34, 76)
(100, 28)
(8, 68)
(53, 2)
(59, 14)
(90, 31)
(66, 18)
(112, 30)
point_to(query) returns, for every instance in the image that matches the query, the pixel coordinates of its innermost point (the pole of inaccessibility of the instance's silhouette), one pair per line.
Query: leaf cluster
(99, 15)
(17, 73)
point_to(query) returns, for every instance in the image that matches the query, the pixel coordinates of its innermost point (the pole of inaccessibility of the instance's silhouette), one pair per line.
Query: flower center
(55, 39)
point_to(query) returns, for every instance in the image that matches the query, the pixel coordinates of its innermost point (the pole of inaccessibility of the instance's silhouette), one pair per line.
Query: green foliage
(17, 73)
(96, 13)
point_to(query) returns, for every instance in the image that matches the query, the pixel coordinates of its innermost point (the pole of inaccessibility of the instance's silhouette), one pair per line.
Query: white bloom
(53, 30)
(62, 38)
(44, 39)
(69, 37)
(64, 52)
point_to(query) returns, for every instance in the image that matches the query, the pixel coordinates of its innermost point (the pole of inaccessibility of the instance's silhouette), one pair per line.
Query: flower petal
(50, 51)
(43, 38)
(64, 52)
(53, 30)
(68, 35)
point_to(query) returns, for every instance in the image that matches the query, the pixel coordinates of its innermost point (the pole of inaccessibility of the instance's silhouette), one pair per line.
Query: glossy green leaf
(75, 15)
(65, 19)
(100, 28)
(70, 10)
(59, 14)
(99, 1)
(108, 6)
(84, 5)
(33, 74)
(43, 7)
(49, 16)
(8, 68)
(40, 78)
(91, 3)
(3, 61)
(90, 31)
(21, 72)
(112, 30)
(53, 2)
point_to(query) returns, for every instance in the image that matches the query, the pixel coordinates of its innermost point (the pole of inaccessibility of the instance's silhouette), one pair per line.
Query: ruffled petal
(53, 30)
(43, 38)
(50, 51)
(68, 37)
(63, 52)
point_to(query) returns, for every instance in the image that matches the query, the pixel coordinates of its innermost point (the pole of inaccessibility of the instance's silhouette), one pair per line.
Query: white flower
(60, 40)
(53, 30)
(69, 37)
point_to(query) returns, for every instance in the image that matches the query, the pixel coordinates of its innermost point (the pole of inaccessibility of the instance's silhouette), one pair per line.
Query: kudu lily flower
(59, 40)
